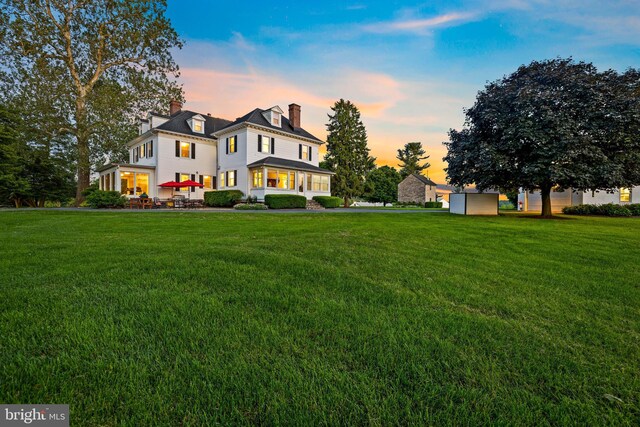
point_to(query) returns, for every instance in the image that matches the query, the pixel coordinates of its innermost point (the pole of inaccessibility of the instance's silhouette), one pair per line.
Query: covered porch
(129, 180)
(280, 176)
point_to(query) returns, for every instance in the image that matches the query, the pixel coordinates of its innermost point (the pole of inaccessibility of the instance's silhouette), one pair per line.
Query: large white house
(262, 152)
(532, 200)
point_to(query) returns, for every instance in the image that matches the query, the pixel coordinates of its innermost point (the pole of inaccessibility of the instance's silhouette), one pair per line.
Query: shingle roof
(255, 117)
(424, 179)
(178, 123)
(288, 164)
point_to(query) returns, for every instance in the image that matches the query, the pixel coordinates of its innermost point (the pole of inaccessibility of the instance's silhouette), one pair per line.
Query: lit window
(276, 119)
(233, 147)
(272, 178)
(206, 181)
(197, 126)
(184, 149)
(292, 180)
(126, 183)
(282, 179)
(231, 179)
(184, 177)
(625, 194)
(320, 183)
(222, 182)
(305, 152)
(300, 182)
(142, 183)
(257, 178)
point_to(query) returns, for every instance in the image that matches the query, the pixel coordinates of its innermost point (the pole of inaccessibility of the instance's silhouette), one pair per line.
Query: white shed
(473, 203)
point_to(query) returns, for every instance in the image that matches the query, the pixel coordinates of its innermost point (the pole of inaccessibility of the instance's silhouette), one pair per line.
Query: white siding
(456, 203)
(168, 164)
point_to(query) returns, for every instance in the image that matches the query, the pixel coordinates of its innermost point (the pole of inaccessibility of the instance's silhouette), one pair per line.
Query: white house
(262, 152)
(532, 200)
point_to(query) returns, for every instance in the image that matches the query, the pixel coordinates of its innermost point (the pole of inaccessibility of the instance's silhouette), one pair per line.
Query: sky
(410, 67)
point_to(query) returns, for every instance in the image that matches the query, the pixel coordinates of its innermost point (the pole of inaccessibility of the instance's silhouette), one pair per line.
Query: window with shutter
(177, 148)
(259, 143)
(193, 178)
(310, 148)
(300, 151)
(193, 150)
(273, 145)
(227, 145)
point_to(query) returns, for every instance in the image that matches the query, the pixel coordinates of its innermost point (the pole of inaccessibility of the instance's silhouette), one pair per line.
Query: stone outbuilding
(417, 189)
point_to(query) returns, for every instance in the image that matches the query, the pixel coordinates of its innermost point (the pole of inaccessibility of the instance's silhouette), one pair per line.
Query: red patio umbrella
(189, 183)
(170, 184)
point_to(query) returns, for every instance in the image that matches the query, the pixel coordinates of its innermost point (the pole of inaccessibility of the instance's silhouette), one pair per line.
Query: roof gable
(179, 123)
(423, 179)
(256, 117)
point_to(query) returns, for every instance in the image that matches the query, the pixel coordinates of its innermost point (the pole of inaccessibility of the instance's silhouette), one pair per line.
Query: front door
(300, 182)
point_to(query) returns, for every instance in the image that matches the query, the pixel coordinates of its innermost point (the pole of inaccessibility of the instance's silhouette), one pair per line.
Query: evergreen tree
(410, 157)
(347, 151)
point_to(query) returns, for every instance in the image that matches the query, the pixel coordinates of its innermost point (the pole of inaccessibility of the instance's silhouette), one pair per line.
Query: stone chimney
(294, 115)
(174, 107)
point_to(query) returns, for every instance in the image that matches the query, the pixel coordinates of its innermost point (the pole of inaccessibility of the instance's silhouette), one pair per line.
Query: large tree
(347, 151)
(86, 68)
(411, 156)
(381, 185)
(551, 124)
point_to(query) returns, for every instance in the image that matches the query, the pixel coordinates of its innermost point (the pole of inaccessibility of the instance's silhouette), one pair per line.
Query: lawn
(354, 318)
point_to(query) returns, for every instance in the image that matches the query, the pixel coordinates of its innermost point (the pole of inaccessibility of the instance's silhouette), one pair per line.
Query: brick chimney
(294, 115)
(174, 107)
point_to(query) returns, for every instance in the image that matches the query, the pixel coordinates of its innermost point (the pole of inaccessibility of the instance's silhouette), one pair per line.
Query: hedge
(329, 202)
(99, 199)
(608, 209)
(222, 198)
(285, 201)
(250, 207)
(433, 204)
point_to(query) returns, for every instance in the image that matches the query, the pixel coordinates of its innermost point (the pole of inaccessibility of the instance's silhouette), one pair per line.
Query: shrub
(634, 209)
(506, 205)
(329, 202)
(251, 199)
(609, 209)
(99, 199)
(250, 207)
(285, 201)
(222, 198)
(432, 205)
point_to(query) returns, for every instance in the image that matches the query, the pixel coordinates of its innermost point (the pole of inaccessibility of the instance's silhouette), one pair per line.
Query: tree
(10, 179)
(347, 151)
(381, 185)
(96, 63)
(551, 124)
(410, 157)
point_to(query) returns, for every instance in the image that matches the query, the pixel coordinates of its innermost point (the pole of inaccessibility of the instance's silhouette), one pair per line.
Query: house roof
(256, 117)
(178, 123)
(127, 165)
(424, 179)
(288, 164)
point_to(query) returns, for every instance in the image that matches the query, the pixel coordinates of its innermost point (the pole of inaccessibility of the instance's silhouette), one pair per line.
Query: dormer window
(196, 123)
(273, 116)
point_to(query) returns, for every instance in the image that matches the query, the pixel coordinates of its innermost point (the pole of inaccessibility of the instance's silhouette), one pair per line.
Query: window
(207, 181)
(292, 180)
(276, 119)
(107, 182)
(231, 178)
(222, 180)
(264, 144)
(257, 178)
(197, 126)
(142, 183)
(126, 183)
(625, 195)
(272, 178)
(184, 149)
(184, 177)
(300, 182)
(304, 152)
(320, 183)
(308, 182)
(143, 150)
(232, 144)
(283, 179)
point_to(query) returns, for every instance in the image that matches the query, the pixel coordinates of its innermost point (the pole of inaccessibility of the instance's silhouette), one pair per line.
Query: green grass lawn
(197, 318)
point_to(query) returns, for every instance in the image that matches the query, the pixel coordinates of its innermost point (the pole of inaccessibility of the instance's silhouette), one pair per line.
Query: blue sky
(410, 67)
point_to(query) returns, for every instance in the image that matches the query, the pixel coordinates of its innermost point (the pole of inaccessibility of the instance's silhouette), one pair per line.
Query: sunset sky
(411, 68)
